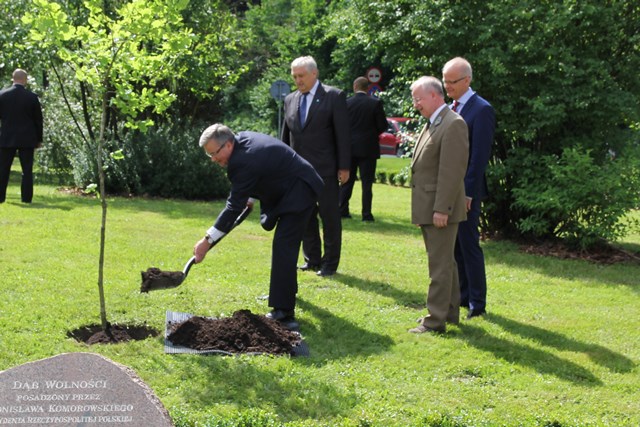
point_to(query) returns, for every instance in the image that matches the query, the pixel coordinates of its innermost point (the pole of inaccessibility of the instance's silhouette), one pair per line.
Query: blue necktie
(303, 108)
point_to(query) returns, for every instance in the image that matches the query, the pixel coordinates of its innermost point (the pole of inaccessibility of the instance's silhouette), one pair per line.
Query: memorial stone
(78, 389)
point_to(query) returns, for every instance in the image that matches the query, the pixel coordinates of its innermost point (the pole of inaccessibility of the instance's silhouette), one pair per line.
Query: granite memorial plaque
(78, 389)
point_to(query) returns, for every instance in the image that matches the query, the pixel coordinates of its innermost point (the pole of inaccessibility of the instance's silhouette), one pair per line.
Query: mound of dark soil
(243, 332)
(94, 334)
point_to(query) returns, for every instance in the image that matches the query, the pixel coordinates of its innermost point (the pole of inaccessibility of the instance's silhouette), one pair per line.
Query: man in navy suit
(368, 121)
(262, 167)
(481, 121)
(21, 132)
(316, 126)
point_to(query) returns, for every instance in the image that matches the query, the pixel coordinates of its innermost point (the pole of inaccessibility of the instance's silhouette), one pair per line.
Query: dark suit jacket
(324, 139)
(437, 170)
(367, 119)
(21, 117)
(481, 120)
(264, 168)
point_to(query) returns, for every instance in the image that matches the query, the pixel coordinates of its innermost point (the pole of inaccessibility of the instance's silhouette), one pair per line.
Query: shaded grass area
(559, 346)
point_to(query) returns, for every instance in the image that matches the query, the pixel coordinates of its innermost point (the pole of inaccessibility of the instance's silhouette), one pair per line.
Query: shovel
(155, 279)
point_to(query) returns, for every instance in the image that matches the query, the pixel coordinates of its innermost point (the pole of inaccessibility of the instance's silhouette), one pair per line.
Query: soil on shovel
(94, 334)
(244, 332)
(154, 279)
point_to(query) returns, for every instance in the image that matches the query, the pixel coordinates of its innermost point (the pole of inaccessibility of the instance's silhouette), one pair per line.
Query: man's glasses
(210, 155)
(452, 82)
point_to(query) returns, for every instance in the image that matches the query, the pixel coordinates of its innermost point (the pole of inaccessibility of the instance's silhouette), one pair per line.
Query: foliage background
(562, 76)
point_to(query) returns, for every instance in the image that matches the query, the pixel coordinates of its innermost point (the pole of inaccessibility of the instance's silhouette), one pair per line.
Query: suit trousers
(470, 260)
(285, 249)
(26, 163)
(367, 168)
(327, 208)
(443, 297)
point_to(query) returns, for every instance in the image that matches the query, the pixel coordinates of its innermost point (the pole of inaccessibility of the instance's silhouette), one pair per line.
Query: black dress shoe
(281, 315)
(345, 215)
(476, 313)
(325, 272)
(309, 267)
(368, 218)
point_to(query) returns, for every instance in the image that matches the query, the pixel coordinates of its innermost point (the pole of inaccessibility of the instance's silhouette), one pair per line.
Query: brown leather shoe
(421, 329)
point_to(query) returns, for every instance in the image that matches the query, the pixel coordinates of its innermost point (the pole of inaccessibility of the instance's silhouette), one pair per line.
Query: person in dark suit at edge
(481, 121)
(368, 121)
(287, 186)
(316, 126)
(21, 132)
(438, 201)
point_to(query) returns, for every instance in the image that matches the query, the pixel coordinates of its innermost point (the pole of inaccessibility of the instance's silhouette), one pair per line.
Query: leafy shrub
(574, 196)
(164, 162)
(402, 177)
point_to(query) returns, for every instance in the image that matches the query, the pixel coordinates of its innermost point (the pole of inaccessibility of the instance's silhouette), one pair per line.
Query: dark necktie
(303, 108)
(455, 106)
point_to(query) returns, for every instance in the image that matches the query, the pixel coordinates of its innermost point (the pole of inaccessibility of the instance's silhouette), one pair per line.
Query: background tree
(121, 56)
(562, 78)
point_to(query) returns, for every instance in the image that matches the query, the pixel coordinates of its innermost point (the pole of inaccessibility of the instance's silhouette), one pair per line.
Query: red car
(390, 140)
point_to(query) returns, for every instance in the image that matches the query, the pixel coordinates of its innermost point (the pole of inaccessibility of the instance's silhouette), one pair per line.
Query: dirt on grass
(114, 334)
(603, 253)
(243, 332)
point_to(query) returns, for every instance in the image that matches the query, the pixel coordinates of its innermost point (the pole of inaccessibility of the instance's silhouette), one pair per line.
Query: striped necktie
(455, 106)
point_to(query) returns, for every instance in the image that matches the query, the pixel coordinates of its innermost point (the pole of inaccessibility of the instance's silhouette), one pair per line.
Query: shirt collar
(432, 119)
(314, 89)
(465, 97)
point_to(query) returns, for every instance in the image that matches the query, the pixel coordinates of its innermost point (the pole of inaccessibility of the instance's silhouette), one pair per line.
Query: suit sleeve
(286, 135)
(243, 180)
(342, 131)
(480, 150)
(381, 118)
(37, 114)
(454, 154)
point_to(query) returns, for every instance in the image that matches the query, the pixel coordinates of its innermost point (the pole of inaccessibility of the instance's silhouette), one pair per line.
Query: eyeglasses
(210, 155)
(416, 100)
(449, 82)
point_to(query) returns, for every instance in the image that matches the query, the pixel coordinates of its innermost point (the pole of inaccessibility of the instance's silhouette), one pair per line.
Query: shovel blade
(155, 279)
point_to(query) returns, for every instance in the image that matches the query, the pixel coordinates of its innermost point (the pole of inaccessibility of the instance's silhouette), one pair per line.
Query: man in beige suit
(438, 200)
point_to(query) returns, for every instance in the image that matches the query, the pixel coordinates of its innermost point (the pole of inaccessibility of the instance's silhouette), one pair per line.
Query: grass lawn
(559, 346)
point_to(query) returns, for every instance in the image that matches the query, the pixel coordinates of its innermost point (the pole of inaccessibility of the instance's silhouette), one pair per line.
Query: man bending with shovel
(264, 168)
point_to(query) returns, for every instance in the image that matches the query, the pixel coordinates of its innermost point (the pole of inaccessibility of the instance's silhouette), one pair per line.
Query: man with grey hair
(481, 121)
(438, 200)
(316, 126)
(262, 167)
(20, 132)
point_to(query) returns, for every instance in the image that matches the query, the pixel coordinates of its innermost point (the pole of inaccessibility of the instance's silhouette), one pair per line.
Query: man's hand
(200, 249)
(440, 220)
(343, 176)
(469, 200)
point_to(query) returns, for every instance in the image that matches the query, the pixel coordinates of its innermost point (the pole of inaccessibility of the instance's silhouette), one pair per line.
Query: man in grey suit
(438, 199)
(316, 126)
(21, 132)
(367, 119)
(261, 167)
